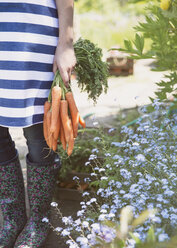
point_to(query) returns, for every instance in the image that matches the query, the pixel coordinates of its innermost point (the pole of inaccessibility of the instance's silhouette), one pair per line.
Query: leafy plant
(123, 230)
(84, 144)
(88, 138)
(139, 170)
(119, 233)
(92, 72)
(160, 28)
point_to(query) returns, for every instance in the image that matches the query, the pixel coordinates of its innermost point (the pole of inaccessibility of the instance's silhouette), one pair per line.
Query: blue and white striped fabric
(28, 39)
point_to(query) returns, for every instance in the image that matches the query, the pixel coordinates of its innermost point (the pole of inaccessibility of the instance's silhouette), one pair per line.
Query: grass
(108, 25)
(104, 33)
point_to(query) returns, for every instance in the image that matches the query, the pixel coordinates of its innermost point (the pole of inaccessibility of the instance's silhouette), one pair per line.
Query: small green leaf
(133, 236)
(128, 45)
(143, 217)
(109, 223)
(151, 235)
(139, 43)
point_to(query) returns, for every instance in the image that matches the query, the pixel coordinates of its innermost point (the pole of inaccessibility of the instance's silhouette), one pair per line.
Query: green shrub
(159, 27)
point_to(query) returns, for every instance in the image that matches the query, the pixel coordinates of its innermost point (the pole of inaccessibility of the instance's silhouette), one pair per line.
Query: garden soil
(123, 93)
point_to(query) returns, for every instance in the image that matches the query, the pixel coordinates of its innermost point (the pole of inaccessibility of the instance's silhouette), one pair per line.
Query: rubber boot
(40, 185)
(12, 202)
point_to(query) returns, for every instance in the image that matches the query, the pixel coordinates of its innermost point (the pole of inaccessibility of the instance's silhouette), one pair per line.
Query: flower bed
(139, 170)
(85, 144)
(70, 189)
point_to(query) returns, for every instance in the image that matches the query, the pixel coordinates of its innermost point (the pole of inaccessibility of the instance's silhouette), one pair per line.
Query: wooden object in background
(119, 64)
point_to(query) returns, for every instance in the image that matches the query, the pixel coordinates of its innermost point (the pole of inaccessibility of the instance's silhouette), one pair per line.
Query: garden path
(123, 92)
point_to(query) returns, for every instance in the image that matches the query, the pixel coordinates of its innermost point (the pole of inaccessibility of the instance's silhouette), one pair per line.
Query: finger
(69, 73)
(64, 76)
(55, 67)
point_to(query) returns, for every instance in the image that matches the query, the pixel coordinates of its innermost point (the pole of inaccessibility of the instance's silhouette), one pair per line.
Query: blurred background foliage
(108, 23)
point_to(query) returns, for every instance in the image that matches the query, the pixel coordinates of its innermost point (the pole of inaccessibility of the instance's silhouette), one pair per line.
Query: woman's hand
(64, 61)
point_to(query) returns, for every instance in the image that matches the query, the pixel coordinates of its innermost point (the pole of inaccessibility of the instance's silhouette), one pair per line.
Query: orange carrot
(56, 97)
(57, 129)
(54, 144)
(56, 134)
(65, 119)
(74, 112)
(47, 106)
(82, 122)
(71, 141)
(62, 137)
(45, 129)
(50, 137)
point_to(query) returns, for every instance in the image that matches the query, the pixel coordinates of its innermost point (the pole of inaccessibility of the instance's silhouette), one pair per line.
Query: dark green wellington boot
(12, 202)
(40, 184)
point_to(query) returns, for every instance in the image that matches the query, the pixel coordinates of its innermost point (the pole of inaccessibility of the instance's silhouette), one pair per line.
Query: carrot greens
(92, 72)
(62, 117)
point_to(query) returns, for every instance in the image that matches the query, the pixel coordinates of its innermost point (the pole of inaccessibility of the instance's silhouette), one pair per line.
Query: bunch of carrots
(61, 117)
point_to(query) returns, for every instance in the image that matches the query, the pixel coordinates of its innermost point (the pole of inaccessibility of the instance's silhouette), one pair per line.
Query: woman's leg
(42, 170)
(12, 194)
(39, 152)
(7, 146)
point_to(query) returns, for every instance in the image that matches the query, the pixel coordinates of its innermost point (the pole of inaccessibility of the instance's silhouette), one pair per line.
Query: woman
(33, 45)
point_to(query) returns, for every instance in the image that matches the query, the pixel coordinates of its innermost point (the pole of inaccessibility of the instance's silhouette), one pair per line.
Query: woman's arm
(65, 59)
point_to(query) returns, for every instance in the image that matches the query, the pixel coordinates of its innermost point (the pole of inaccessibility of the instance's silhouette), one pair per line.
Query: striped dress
(28, 39)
